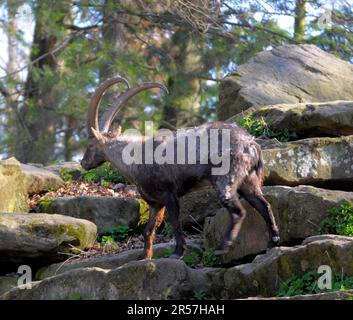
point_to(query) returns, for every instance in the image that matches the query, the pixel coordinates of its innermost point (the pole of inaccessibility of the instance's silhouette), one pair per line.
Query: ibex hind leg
(172, 205)
(155, 220)
(227, 193)
(252, 193)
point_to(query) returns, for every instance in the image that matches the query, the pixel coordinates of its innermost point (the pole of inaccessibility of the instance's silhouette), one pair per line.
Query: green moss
(45, 203)
(144, 212)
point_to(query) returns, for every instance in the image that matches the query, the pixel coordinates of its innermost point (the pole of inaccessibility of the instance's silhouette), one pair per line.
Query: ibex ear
(99, 136)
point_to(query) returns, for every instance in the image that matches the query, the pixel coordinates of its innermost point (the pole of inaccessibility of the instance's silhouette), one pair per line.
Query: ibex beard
(223, 155)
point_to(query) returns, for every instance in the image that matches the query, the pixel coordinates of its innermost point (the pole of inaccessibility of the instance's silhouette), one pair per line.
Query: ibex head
(94, 155)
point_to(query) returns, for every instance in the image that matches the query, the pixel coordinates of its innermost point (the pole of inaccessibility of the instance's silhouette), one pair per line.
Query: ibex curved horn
(111, 113)
(92, 117)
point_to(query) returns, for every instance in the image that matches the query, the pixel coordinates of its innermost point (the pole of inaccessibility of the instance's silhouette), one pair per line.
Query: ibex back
(162, 184)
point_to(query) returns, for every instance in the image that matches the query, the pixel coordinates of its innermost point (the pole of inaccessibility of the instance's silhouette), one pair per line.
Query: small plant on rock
(200, 295)
(109, 243)
(209, 258)
(191, 259)
(106, 173)
(66, 175)
(308, 284)
(117, 233)
(258, 127)
(45, 203)
(339, 221)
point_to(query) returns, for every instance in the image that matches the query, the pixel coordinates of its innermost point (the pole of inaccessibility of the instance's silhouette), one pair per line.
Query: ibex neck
(114, 151)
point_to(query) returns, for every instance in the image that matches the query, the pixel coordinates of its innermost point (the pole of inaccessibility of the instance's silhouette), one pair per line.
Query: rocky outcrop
(112, 261)
(36, 239)
(298, 212)
(286, 74)
(172, 279)
(105, 212)
(39, 180)
(325, 162)
(156, 279)
(263, 276)
(13, 193)
(307, 120)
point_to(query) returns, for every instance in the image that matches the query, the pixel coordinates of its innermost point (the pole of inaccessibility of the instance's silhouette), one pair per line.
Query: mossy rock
(13, 192)
(40, 239)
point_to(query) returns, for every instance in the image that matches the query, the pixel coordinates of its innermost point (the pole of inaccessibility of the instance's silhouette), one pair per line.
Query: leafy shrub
(191, 259)
(209, 258)
(167, 253)
(258, 127)
(105, 173)
(109, 242)
(117, 233)
(307, 284)
(339, 221)
(45, 203)
(66, 175)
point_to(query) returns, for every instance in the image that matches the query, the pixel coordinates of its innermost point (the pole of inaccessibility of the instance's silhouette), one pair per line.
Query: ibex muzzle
(161, 185)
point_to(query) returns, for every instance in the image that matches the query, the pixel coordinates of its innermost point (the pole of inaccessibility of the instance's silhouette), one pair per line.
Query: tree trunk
(300, 23)
(183, 103)
(37, 132)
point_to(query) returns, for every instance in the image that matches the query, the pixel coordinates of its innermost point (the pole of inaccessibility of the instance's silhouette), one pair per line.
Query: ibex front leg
(154, 221)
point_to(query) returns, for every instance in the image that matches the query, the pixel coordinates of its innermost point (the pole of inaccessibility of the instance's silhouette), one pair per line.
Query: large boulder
(286, 74)
(13, 193)
(105, 212)
(307, 120)
(113, 261)
(39, 239)
(142, 280)
(298, 212)
(172, 279)
(324, 162)
(39, 180)
(196, 206)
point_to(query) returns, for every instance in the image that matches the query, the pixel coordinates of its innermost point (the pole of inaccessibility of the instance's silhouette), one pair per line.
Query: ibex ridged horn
(111, 113)
(92, 117)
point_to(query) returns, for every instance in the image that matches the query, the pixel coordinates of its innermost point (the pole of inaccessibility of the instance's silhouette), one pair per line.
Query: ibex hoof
(275, 239)
(274, 242)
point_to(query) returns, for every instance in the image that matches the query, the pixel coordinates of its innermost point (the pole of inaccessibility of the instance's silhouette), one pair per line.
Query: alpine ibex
(161, 185)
